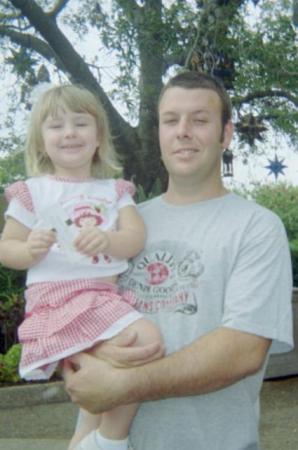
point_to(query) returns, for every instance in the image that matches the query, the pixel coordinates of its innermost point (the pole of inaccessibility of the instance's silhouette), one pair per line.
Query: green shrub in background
(141, 195)
(3, 206)
(283, 200)
(294, 255)
(12, 284)
(12, 167)
(9, 364)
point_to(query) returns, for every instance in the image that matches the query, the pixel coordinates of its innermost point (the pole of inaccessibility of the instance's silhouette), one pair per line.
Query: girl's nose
(69, 129)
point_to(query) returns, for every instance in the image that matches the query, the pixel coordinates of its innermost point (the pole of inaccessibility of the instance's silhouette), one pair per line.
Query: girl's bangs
(64, 98)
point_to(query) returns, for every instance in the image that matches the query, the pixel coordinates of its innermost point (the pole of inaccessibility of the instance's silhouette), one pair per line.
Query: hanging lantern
(227, 158)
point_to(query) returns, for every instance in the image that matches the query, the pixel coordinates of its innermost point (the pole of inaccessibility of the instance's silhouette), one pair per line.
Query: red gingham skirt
(65, 317)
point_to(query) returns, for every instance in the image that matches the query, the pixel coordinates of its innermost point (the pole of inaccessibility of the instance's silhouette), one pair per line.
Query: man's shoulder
(252, 211)
(149, 204)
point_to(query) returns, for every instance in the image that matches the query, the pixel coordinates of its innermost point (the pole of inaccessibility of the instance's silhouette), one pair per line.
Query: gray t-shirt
(223, 262)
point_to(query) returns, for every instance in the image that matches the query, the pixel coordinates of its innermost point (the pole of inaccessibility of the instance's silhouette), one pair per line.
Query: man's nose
(184, 128)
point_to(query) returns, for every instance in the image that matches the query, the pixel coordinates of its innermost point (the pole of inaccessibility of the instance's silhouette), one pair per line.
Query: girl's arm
(20, 247)
(125, 242)
(130, 237)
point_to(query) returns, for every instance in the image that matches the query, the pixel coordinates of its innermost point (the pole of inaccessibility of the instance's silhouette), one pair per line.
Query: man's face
(190, 133)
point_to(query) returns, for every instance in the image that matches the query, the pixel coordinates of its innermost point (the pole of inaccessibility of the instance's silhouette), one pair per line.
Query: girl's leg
(86, 423)
(114, 426)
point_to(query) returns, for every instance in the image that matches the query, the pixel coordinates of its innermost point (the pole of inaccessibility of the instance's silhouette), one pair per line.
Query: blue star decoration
(276, 167)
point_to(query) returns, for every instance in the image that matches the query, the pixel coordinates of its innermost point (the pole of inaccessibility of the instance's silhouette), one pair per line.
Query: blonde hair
(78, 99)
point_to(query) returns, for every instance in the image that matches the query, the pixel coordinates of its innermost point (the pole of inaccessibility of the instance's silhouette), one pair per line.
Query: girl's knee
(147, 332)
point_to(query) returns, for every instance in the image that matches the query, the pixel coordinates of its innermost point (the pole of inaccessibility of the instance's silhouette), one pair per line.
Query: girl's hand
(92, 241)
(39, 243)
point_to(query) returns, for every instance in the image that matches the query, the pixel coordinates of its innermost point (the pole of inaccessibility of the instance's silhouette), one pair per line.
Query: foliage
(11, 169)
(138, 44)
(11, 305)
(3, 206)
(9, 363)
(141, 195)
(283, 200)
(294, 254)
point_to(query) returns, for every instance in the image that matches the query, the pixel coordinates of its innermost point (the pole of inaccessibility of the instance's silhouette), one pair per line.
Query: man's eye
(200, 120)
(81, 124)
(170, 121)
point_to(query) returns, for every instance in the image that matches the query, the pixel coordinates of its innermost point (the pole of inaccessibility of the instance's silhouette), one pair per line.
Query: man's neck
(187, 193)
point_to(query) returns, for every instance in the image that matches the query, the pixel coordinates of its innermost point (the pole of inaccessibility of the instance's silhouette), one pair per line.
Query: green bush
(3, 206)
(12, 284)
(283, 200)
(9, 364)
(294, 255)
(141, 195)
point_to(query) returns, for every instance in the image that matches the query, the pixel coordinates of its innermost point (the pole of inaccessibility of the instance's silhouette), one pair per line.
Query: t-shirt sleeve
(125, 191)
(20, 205)
(258, 295)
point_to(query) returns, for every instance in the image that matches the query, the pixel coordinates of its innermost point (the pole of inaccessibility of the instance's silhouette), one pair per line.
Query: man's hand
(88, 378)
(120, 351)
(94, 384)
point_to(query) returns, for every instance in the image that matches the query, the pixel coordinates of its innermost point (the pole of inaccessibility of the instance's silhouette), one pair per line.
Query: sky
(249, 174)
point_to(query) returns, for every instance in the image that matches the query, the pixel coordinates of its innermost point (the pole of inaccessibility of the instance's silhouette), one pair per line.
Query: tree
(149, 39)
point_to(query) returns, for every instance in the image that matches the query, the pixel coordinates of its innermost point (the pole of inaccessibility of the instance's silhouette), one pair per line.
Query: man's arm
(210, 363)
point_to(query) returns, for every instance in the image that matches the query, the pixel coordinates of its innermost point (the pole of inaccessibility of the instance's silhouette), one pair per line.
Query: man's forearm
(213, 362)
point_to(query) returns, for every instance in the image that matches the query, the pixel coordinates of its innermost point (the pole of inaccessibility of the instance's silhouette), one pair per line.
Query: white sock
(110, 444)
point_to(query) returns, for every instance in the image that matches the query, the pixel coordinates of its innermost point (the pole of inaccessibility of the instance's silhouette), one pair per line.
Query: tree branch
(58, 7)
(77, 69)
(32, 43)
(263, 94)
(74, 64)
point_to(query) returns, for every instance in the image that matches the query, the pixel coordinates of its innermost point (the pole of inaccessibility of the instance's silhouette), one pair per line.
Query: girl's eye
(54, 125)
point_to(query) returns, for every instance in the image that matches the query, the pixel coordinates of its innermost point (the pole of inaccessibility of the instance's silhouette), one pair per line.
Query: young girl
(73, 229)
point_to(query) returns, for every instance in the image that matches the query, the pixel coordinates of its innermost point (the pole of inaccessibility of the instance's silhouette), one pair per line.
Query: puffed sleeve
(125, 191)
(20, 205)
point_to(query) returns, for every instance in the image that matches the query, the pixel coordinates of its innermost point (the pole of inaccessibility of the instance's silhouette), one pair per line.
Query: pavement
(41, 417)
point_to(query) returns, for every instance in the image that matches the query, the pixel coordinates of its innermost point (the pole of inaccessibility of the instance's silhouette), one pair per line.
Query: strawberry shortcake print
(87, 215)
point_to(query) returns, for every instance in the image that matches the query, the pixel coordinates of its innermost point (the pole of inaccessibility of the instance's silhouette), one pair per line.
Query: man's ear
(227, 134)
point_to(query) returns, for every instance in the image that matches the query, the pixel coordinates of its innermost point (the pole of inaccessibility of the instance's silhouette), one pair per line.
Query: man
(215, 276)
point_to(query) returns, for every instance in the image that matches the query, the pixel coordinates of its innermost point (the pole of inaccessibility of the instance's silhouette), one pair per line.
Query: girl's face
(70, 141)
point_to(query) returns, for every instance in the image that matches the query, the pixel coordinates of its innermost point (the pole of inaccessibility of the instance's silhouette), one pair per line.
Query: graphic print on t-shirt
(70, 215)
(165, 280)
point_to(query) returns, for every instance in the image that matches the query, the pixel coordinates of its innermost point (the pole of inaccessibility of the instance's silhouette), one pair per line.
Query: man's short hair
(200, 80)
